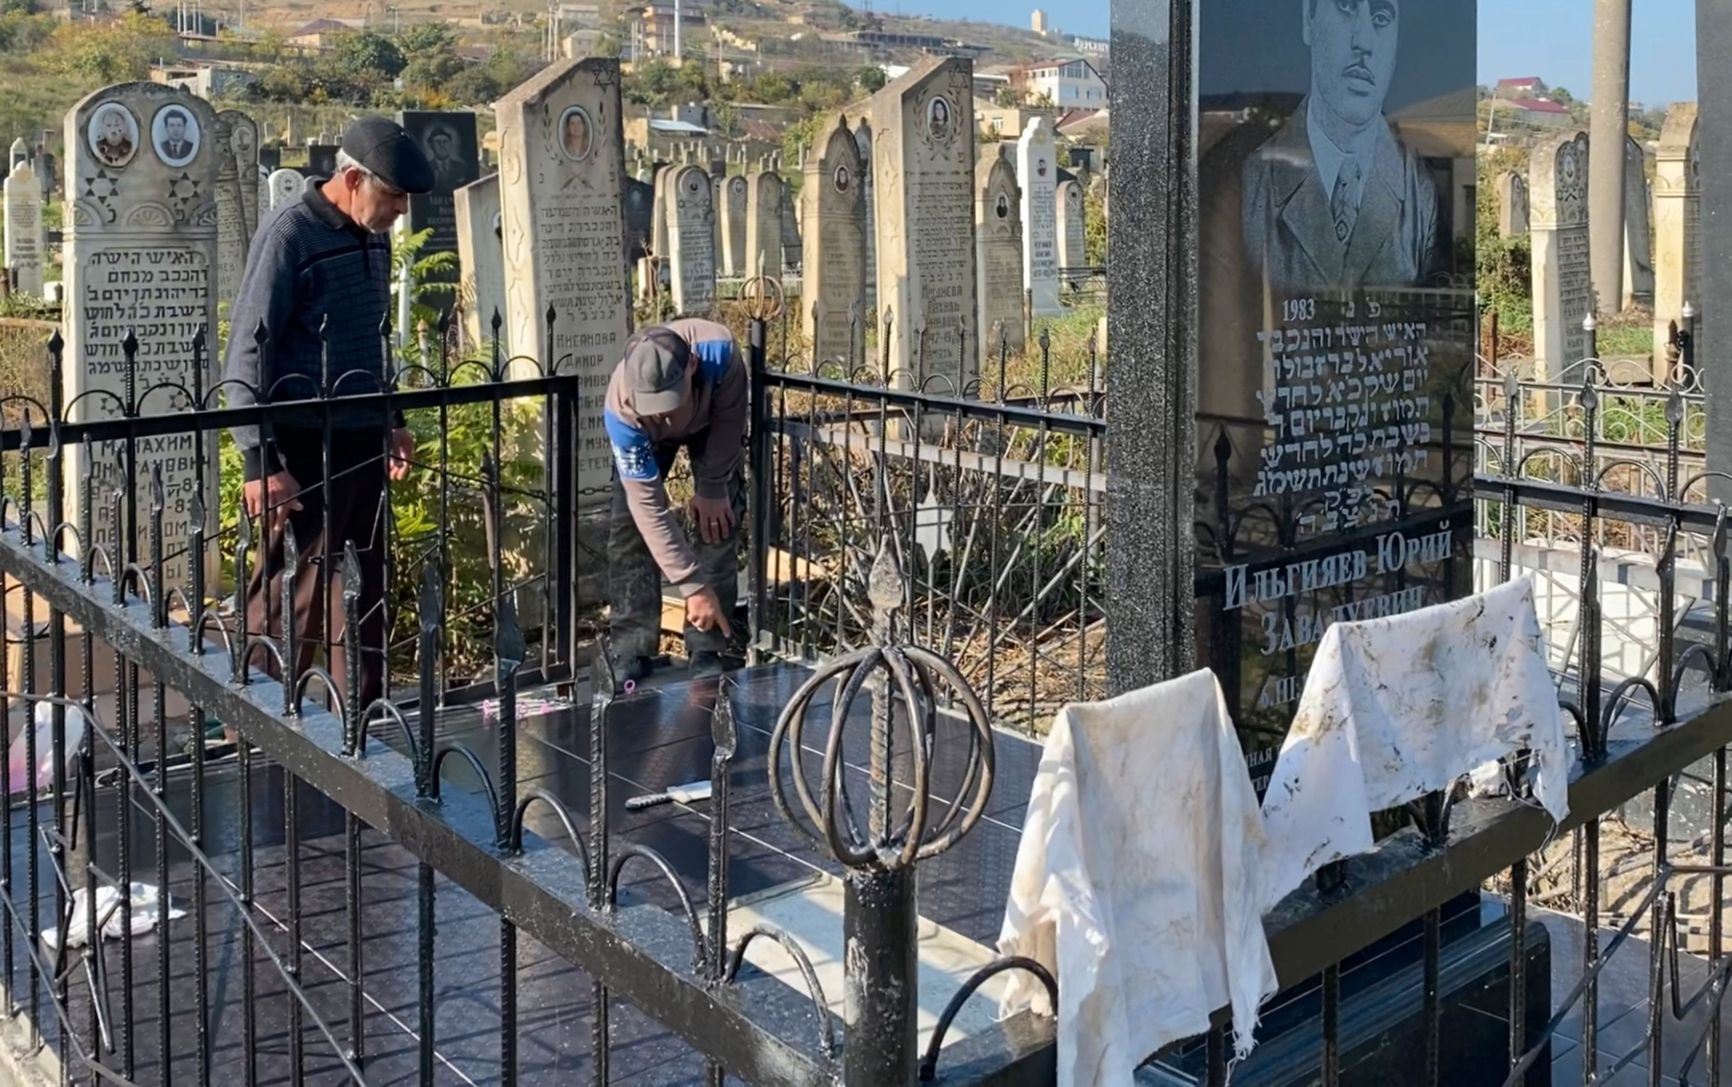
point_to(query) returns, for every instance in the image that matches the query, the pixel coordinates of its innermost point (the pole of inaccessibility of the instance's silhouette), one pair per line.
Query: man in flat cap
(680, 384)
(318, 280)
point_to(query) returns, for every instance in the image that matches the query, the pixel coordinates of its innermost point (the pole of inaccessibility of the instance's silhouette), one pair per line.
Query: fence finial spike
(352, 577)
(884, 584)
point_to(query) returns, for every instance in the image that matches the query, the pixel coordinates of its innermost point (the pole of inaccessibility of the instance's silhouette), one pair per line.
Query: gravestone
(1558, 226)
(863, 139)
(243, 143)
(232, 234)
(26, 240)
(481, 257)
(321, 159)
(270, 158)
(1072, 226)
(833, 265)
(562, 206)
(718, 192)
(451, 147)
(765, 195)
(640, 205)
(732, 213)
(691, 240)
(659, 220)
(140, 256)
(19, 152)
(792, 253)
(923, 181)
(1638, 254)
(1328, 474)
(47, 170)
(286, 186)
(1512, 204)
(998, 240)
(1037, 173)
(1677, 226)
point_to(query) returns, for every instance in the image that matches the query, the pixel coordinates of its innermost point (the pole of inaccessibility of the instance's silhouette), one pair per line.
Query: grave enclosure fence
(947, 543)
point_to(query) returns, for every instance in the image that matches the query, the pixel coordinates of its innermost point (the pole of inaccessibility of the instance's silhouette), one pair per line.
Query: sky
(1552, 39)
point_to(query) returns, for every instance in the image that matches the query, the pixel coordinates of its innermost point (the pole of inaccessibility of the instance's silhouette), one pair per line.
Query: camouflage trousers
(635, 581)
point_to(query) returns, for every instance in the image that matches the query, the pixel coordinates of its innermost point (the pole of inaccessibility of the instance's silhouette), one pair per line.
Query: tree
(368, 57)
(427, 39)
(113, 52)
(871, 79)
(1561, 96)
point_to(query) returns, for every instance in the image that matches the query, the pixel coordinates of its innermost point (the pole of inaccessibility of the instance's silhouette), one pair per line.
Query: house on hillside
(321, 34)
(203, 79)
(1067, 83)
(1527, 86)
(1532, 112)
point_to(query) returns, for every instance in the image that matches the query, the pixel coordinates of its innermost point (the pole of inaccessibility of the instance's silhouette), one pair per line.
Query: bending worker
(680, 384)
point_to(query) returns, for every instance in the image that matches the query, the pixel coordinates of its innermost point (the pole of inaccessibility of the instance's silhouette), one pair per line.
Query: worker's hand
(715, 517)
(278, 492)
(402, 453)
(704, 611)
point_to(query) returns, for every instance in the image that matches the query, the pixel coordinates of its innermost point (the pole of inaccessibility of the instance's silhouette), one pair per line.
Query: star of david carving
(102, 188)
(182, 191)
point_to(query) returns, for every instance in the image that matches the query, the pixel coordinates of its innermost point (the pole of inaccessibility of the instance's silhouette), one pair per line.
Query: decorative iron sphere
(763, 298)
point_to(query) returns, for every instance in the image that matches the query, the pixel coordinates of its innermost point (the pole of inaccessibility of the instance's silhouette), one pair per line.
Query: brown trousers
(356, 504)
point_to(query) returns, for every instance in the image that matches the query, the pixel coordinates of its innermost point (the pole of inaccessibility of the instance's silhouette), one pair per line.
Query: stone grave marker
(449, 141)
(998, 241)
(1558, 225)
(1037, 173)
(659, 218)
(792, 253)
(863, 138)
(1512, 204)
(833, 266)
(923, 181)
(481, 257)
(270, 158)
(640, 205)
(244, 145)
(18, 152)
(1677, 226)
(26, 240)
(732, 215)
(286, 186)
(232, 234)
(141, 256)
(765, 196)
(321, 159)
(1638, 254)
(562, 200)
(1072, 226)
(691, 240)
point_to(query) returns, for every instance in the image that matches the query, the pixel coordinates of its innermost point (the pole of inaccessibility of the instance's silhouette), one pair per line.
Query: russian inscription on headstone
(998, 238)
(26, 240)
(561, 194)
(923, 177)
(1638, 256)
(765, 195)
(1677, 229)
(481, 256)
(1072, 226)
(833, 266)
(1512, 204)
(449, 141)
(732, 213)
(1333, 410)
(1037, 174)
(691, 240)
(140, 257)
(1558, 226)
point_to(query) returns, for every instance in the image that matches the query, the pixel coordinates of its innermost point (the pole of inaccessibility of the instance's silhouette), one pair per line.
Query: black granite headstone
(640, 204)
(1335, 335)
(270, 158)
(321, 159)
(452, 147)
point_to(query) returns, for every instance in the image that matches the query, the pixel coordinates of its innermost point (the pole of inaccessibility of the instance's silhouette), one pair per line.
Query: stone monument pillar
(923, 177)
(863, 139)
(1677, 227)
(1563, 290)
(1638, 253)
(1512, 204)
(1072, 226)
(691, 242)
(143, 161)
(732, 213)
(26, 241)
(833, 266)
(232, 234)
(244, 144)
(765, 194)
(1609, 125)
(1037, 173)
(998, 244)
(19, 152)
(481, 258)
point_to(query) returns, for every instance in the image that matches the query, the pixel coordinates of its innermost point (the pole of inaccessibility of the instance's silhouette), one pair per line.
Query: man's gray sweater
(320, 284)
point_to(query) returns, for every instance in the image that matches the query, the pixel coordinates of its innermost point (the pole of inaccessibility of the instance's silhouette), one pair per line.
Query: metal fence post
(760, 487)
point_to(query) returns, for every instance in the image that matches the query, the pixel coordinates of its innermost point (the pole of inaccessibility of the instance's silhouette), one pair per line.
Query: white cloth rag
(140, 920)
(1396, 708)
(1136, 880)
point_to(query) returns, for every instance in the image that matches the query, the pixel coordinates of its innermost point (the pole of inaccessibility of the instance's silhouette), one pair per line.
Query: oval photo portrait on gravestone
(113, 134)
(576, 133)
(174, 135)
(939, 123)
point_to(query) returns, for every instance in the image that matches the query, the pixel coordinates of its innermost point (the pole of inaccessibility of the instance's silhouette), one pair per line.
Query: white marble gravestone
(691, 241)
(1037, 174)
(26, 241)
(999, 244)
(481, 258)
(286, 186)
(1558, 225)
(833, 265)
(1072, 225)
(923, 185)
(142, 163)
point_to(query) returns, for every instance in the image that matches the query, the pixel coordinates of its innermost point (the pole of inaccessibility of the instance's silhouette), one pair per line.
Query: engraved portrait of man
(1333, 200)
(441, 148)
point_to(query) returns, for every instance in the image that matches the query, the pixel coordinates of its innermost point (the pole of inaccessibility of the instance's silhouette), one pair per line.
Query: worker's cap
(384, 148)
(655, 370)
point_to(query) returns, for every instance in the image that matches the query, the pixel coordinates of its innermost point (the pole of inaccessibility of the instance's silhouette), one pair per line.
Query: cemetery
(1273, 633)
